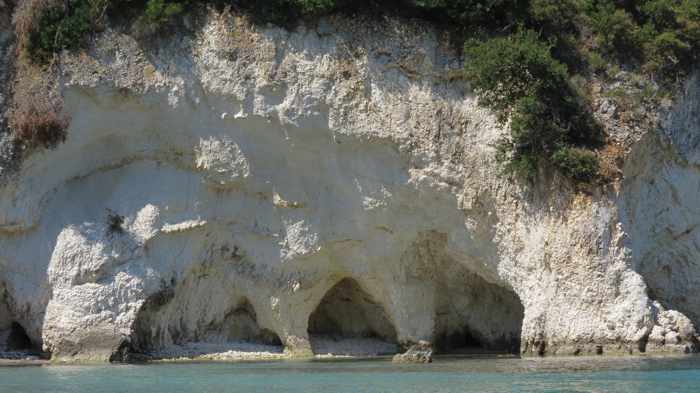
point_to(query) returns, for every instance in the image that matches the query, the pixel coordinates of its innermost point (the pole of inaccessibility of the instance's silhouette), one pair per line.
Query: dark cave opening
(18, 340)
(475, 316)
(13, 336)
(348, 314)
(241, 324)
(463, 340)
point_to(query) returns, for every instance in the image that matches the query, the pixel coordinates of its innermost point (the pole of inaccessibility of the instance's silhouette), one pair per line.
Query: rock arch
(471, 309)
(241, 324)
(348, 321)
(175, 322)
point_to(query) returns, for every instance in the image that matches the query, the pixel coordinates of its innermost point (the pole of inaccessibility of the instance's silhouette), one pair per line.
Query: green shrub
(521, 71)
(577, 164)
(491, 12)
(534, 135)
(517, 77)
(160, 12)
(596, 62)
(317, 6)
(688, 19)
(521, 165)
(504, 70)
(556, 17)
(558, 21)
(668, 31)
(157, 15)
(659, 13)
(278, 12)
(534, 130)
(666, 55)
(58, 29)
(615, 29)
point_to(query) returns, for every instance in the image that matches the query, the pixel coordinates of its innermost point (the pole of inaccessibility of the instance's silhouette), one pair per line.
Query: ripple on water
(445, 375)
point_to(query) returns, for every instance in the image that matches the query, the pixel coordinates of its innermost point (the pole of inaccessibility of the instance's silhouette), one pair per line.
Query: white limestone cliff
(327, 190)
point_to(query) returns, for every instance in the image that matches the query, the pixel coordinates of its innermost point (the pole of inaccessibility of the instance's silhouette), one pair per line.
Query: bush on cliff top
(504, 70)
(158, 13)
(517, 77)
(659, 37)
(521, 75)
(58, 29)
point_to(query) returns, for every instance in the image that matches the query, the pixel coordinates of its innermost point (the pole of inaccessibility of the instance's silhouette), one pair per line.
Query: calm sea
(445, 375)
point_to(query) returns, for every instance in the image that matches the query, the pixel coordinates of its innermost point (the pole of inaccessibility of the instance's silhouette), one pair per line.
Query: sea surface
(445, 375)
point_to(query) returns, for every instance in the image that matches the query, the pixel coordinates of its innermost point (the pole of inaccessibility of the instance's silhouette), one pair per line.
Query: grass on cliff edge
(520, 54)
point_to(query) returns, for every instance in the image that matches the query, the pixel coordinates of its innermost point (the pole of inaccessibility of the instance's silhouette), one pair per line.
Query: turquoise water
(379, 376)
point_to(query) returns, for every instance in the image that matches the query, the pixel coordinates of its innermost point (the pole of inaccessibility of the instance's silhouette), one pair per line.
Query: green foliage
(58, 29)
(659, 13)
(157, 15)
(520, 66)
(660, 36)
(160, 12)
(556, 17)
(504, 70)
(288, 12)
(615, 29)
(688, 19)
(577, 164)
(471, 11)
(517, 77)
(317, 6)
(596, 62)
(666, 55)
(671, 36)
(534, 134)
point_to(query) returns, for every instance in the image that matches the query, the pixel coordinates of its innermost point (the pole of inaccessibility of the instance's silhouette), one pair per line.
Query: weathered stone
(253, 165)
(422, 352)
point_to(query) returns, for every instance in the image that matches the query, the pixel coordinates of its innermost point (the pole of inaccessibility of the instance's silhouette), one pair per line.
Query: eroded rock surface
(214, 193)
(422, 352)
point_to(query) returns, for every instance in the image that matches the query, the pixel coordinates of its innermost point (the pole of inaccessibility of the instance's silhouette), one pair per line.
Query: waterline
(445, 375)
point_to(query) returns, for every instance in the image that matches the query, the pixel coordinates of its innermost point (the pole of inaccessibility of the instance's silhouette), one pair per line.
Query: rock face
(328, 190)
(422, 352)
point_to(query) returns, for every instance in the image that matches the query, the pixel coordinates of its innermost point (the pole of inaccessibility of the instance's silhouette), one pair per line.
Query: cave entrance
(475, 316)
(18, 340)
(13, 336)
(349, 322)
(174, 323)
(241, 325)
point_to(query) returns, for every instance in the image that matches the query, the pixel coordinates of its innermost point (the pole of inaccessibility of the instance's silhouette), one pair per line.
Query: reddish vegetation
(34, 128)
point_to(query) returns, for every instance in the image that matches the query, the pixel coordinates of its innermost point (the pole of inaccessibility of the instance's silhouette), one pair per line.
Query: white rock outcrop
(255, 189)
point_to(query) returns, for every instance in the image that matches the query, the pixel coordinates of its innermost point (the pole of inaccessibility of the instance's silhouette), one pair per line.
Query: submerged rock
(422, 352)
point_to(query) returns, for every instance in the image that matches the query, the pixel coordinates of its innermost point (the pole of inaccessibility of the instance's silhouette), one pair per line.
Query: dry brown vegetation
(35, 115)
(36, 128)
(25, 20)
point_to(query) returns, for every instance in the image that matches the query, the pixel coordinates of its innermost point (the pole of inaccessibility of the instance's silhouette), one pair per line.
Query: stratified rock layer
(217, 191)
